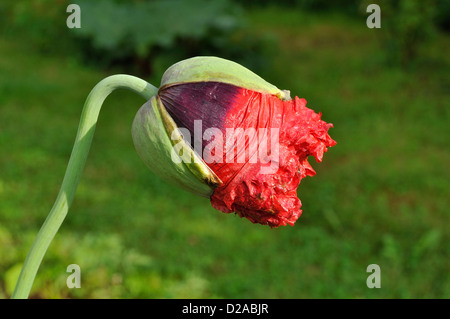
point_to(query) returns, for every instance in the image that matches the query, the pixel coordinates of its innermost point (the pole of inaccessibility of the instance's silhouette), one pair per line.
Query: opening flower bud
(246, 141)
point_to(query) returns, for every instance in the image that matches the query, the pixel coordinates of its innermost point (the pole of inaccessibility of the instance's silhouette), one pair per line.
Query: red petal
(269, 199)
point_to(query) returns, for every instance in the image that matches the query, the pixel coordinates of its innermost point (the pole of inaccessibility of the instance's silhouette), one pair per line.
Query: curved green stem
(74, 170)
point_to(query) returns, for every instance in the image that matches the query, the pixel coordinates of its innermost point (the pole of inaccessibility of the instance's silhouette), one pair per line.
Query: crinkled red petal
(265, 198)
(269, 198)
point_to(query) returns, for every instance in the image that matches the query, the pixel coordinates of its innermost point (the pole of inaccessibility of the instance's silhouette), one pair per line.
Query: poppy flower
(231, 136)
(213, 128)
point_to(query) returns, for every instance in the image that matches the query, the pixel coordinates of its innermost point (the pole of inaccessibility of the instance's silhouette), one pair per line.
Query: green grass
(379, 196)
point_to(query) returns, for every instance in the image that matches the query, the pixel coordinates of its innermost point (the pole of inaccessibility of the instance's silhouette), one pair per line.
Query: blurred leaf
(392, 251)
(136, 29)
(11, 276)
(407, 26)
(427, 243)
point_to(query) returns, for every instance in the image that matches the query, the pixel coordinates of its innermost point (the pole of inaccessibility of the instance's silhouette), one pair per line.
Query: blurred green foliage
(150, 28)
(308, 5)
(137, 36)
(351, 7)
(132, 35)
(39, 22)
(409, 26)
(380, 195)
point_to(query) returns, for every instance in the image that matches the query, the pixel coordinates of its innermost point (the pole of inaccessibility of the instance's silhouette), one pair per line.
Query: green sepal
(214, 69)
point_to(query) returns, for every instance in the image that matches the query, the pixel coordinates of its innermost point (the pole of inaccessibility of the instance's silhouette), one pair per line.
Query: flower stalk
(73, 172)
